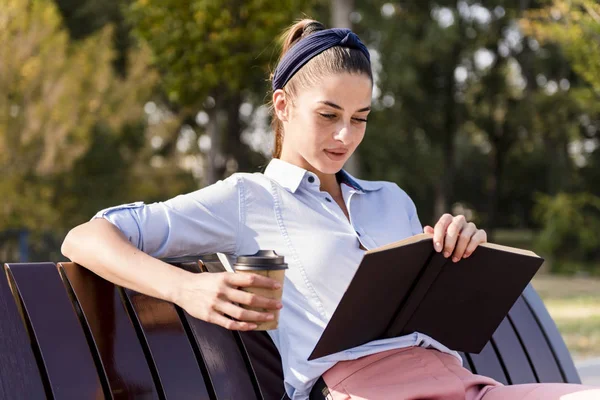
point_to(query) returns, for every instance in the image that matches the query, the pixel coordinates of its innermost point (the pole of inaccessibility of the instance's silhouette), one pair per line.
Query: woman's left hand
(455, 236)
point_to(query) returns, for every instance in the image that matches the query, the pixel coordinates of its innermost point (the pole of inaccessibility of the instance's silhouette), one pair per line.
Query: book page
(428, 236)
(403, 242)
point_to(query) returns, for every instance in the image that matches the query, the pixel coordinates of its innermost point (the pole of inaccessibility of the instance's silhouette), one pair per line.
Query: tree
(462, 90)
(213, 56)
(575, 26)
(52, 93)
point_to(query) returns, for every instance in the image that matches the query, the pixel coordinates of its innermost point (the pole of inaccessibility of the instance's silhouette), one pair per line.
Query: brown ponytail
(290, 36)
(334, 60)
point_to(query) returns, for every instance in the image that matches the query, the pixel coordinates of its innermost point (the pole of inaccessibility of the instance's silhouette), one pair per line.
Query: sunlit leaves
(52, 92)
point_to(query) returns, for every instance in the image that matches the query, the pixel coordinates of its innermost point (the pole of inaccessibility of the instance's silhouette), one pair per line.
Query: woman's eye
(360, 119)
(328, 116)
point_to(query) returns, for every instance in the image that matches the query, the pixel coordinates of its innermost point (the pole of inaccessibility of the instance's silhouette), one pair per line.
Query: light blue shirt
(285, 210)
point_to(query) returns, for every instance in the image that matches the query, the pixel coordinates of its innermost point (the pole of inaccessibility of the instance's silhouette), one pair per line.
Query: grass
(574, 304)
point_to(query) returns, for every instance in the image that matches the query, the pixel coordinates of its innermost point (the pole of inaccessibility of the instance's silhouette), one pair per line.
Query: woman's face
(326, 122)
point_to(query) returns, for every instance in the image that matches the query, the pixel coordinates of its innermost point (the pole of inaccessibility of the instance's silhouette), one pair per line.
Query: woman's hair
(334, 60)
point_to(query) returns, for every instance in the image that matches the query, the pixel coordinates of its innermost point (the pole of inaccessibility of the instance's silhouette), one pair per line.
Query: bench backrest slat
(542, 359)
(466, 361)
(547, 326)
(487, 363)
(512, 355)
(114, 337)
(55, 327)
(230, 374)
(20, 378)
(178, 369)
(266, 363)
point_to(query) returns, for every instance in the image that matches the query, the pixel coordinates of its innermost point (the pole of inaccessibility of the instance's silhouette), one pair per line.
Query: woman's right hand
(208, 296)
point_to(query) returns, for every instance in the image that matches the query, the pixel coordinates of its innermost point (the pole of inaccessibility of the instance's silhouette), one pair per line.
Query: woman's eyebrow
(333, 105)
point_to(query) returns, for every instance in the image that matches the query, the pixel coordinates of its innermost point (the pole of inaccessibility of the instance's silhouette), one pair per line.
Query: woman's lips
(336, 155)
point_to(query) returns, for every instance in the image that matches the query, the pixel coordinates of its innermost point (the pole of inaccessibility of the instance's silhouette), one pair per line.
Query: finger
(452, 232)
(251, 299)
(241, 314)
(221, 320)
(428, 229)
(479, 237)
(440, 231)
(464, 237)
(250, 279)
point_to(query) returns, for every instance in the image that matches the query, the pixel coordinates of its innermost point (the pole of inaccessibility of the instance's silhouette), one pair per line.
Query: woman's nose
(343, 132)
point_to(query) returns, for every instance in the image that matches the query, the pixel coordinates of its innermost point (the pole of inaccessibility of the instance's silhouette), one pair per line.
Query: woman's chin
(329, 166)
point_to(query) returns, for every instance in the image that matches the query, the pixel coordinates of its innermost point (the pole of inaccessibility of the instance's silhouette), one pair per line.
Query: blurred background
(490, 109)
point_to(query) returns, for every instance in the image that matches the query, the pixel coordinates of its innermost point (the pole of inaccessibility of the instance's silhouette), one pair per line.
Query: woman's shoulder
(387, 188)
(249, 183)
(248, 178)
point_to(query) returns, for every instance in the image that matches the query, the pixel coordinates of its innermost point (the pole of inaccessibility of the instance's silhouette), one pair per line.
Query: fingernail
(438, 246)
(277, 286)
(447, 254)
(270, 316)
(466, 255)
(279, 305)
(252, 326)
(455, 259)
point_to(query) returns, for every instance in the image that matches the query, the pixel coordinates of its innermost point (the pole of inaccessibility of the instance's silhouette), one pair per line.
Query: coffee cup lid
(263, 259)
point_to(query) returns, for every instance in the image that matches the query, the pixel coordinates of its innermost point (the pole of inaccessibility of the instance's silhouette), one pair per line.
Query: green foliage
(570, 225)
(459, 132)
(208, 47)
(575, 26)
(52, 94)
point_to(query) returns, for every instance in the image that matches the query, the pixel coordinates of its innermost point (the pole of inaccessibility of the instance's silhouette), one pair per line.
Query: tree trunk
(340, 18)
(340, 13)
(444, 187)
(212, 129)
(497, 156)
(233, 145)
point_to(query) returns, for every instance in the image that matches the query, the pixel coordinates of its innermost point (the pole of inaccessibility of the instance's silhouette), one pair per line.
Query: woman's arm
(102, 248)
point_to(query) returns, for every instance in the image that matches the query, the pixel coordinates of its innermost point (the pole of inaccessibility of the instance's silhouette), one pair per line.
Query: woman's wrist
(172, 289)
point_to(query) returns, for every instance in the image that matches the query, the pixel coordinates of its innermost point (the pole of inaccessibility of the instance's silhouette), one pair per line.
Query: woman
(307, 208)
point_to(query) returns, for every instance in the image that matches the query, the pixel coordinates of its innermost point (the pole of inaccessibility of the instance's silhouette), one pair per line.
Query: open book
(407, 286)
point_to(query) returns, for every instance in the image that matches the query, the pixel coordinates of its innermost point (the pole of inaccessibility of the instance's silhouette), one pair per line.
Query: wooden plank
(266, 363)
(225, 363)
(63, 347)
(551, 333)
(487, 363)
(228, 368)
(103, 313)
(20, 378)
(538, 350)
(178, 369)
(466, 361)
(512, 354)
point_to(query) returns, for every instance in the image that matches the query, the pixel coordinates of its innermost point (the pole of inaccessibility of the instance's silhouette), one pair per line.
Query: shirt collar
(290, 176)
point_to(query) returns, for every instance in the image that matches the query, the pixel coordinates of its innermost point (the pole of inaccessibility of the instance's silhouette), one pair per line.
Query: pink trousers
(426, 374)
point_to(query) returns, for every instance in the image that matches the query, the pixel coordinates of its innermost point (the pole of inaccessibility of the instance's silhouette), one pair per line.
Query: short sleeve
(415, 223)
(411, 210)
(202, 222)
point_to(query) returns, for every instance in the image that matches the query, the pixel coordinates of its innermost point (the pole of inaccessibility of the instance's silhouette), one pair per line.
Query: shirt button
(311, 179)
(328, 199)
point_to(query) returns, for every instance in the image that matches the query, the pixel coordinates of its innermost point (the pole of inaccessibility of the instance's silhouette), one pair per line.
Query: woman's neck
(329, 182)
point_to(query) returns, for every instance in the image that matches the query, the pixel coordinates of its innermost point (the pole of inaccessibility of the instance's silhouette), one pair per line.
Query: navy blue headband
(310, 46)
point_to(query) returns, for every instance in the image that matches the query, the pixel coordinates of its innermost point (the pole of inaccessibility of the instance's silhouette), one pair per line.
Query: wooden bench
(66, 333)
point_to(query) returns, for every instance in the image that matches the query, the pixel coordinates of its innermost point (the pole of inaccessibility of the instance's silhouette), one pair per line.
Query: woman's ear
(280, 105)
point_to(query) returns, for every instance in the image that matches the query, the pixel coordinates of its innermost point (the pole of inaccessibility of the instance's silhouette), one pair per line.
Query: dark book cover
(406, 287)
